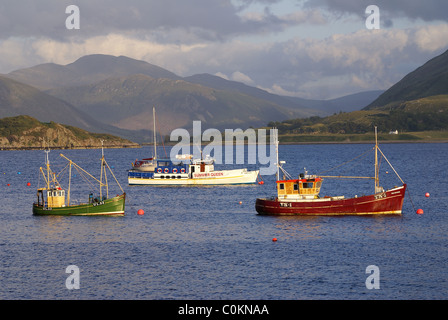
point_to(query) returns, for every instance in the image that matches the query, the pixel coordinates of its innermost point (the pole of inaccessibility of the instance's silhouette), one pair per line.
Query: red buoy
(28, 184)
(274, 239)
(420, 211)
(140, 212)
(427, 194)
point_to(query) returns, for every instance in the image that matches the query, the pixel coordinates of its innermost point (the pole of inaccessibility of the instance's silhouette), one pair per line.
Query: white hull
(225, 177)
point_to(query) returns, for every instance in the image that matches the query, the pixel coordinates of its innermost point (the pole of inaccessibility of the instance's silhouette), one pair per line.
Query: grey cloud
(428, 10)
(202, 19)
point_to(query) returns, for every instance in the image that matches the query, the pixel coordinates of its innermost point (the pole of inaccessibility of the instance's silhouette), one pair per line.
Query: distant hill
(86, 70)
(431, 79)
(127, 102)
(219, 83)
(20, 99)
(27, 132)
(104, 93)
(348, 103)
(308, 107)
(418, 102)
(426, 114)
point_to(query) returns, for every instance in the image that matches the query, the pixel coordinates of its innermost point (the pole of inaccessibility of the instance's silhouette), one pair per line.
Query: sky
(315, 49)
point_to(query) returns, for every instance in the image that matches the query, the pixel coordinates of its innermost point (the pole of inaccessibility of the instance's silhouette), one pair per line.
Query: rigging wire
(363, 154)
(391, 166)
(88, 182)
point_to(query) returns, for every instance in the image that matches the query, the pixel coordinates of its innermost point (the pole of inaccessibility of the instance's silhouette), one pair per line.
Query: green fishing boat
(53, 200)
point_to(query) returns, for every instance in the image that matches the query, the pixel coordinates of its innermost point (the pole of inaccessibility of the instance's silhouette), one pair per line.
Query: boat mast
(103, 168)
(154, 131)
(47, 162)
(69, 182)
(377, 180)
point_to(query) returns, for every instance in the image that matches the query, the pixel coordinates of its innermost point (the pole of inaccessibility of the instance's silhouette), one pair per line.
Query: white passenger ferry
(189, 171)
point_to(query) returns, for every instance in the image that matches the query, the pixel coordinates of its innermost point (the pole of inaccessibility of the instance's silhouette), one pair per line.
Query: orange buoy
(140, 212)
(427, 194)
(274, 239)
(241, 202)
(420, 211)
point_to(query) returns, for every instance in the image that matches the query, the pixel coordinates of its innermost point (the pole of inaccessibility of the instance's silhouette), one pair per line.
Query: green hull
(109, 207)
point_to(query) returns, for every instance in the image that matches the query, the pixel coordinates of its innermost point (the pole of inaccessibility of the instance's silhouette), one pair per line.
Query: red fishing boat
(301, 196)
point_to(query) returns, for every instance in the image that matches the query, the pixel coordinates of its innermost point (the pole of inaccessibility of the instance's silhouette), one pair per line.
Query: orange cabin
(299, 188)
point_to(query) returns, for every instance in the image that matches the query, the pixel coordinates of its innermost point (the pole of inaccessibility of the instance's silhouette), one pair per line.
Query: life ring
(166, 170)
(174, 170)
(182, 170)
(159, 170)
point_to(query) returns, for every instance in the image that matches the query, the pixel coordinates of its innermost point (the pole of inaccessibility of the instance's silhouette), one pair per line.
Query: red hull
(388, 202)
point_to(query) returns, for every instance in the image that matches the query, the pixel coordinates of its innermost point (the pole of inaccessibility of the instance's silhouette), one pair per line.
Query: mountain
(126, 102)
(348, 103)
(86, 70)
(28, 132)
(20, 99)
(418, 102)
(431, 79)
(104, 93)
(219, 83)
(308, 107)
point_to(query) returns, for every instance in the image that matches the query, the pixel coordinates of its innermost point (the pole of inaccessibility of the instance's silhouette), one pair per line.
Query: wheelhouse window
(308, 185)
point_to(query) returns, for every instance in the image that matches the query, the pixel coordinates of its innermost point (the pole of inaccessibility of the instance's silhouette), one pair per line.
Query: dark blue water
(201, 243)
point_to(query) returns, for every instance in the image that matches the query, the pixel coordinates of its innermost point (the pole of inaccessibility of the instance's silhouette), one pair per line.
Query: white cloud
(222, 75)
(276, 89)
(432, 38)
(241, 77)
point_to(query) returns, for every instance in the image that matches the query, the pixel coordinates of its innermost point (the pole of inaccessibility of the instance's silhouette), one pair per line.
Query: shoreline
(367, 142)
(124, 146)
(136, 146)
(315, 142)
